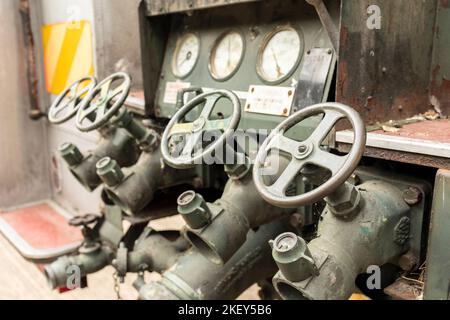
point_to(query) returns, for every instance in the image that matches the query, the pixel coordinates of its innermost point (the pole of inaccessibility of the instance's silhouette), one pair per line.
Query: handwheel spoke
(116, 91)
(282, 143)
(101, 111)
(280, 186)
(105, 89)
(191, 142)
(325, 126)
(327, 160)
(219, 124)
(181, 128)
(209, 106)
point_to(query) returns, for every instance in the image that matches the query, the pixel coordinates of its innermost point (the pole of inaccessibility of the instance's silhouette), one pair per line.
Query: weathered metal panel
(158, 7)
(23, 161)
(437, 284)
(440, 76)
(384, 73)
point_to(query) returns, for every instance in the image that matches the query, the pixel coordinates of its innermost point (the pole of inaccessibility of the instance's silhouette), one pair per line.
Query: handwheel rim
(353, 157)
(228, 132)
(55, 108)
(106, 114)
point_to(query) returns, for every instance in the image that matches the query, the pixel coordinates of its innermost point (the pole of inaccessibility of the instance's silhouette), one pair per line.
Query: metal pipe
(194, 277)
(118, 144)
(58, 272)
(347, 246)
(239, 209)
(156, 252)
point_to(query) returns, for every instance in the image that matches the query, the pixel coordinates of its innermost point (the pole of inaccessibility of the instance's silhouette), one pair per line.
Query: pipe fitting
(238, 210)
(344, 201)
(193, 209)
(109, 171)
(58, 272)
(116, 144)
(347, 247)
(193, 277)
(139, 184)
(70, 153)
(293, 257)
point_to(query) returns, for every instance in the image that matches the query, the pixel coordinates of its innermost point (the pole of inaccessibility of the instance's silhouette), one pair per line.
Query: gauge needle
(279, 72)
(188, 56)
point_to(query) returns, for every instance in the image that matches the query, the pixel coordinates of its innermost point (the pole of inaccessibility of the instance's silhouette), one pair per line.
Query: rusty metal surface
(433, 131)
(440, 77)
(384, 73)
(403, 290)
(32, 78)
(400, 156)
(159, 7)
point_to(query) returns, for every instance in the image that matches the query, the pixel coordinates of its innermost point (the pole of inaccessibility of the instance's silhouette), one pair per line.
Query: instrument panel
(259, 54)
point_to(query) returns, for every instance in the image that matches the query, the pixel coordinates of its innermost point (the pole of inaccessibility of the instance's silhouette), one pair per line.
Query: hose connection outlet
(71, 154)
(109, 171)
(293, 257)
(193, 209)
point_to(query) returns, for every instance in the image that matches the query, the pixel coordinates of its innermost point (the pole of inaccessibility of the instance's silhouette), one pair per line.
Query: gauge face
(185, 55)
(279, 54)
(226, 55)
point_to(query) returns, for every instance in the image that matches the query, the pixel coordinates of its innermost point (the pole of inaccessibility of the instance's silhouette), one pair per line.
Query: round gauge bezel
(214, 49)
(263, 45)
(180, 40)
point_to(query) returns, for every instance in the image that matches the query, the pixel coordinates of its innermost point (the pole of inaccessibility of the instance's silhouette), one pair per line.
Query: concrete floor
(20, 279)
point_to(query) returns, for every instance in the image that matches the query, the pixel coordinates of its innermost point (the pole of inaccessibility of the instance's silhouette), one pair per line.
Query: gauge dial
(279, 54)
(185, 55)
(226, 55)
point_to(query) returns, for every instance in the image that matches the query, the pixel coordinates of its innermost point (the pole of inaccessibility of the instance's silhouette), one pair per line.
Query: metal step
(39, 231)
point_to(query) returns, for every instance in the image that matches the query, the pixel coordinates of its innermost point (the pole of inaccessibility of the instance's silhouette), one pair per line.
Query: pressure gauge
(185, 55)
(226, 55)
(279, 54)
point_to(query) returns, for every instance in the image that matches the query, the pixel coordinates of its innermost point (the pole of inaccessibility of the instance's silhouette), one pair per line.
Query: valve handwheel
(69, 101)
(84, 220)
(96, 111)
(195, 130)
(309, 152)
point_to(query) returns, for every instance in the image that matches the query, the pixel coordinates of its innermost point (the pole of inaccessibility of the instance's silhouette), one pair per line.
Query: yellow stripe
(68, 54)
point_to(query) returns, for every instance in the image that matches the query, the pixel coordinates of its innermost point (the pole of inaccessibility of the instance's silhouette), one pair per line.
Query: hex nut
(71, 154)
(109, 171)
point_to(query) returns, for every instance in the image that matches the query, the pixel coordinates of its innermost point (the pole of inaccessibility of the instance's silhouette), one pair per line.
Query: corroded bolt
(71, 154)
(109, 171)
(412, 195)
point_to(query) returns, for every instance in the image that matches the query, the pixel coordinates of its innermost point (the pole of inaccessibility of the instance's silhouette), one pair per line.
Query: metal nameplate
(270, 100)
(313, 78)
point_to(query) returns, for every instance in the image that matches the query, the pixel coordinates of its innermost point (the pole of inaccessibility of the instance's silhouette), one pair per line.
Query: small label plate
(172, 88)
(270, 100)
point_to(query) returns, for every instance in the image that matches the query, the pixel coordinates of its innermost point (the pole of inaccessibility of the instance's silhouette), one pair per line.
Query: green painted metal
(193, 277)
(437, 283)
(254, 21)
(347, 246)
(115, 143)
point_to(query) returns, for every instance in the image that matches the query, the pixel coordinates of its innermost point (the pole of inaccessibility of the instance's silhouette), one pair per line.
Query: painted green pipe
(195, 277)
(374, 234)
(117, 144)
(239, 209)
(58, 272)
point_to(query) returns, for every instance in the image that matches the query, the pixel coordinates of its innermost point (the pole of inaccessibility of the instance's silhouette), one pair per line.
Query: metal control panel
(274, 55)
